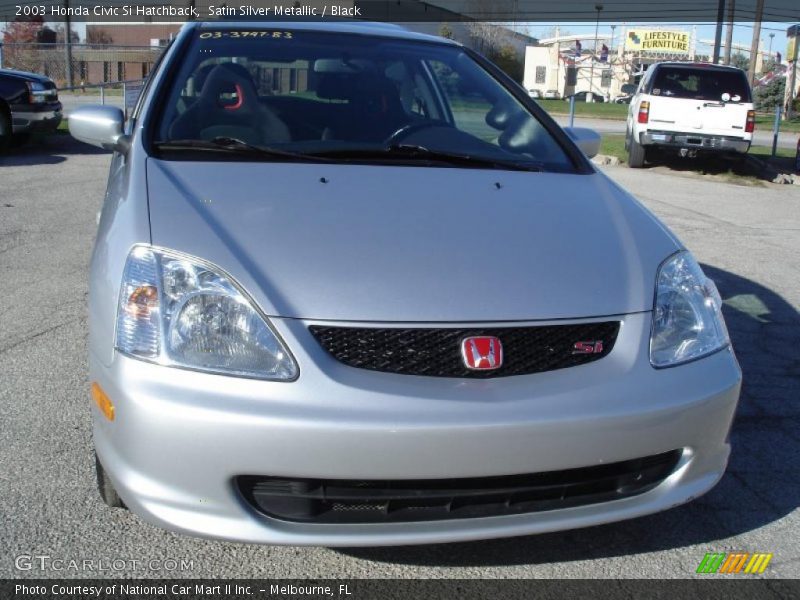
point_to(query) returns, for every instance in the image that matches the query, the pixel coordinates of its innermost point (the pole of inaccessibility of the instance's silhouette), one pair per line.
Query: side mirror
(588, 140)
(99, 126)
(629, 89)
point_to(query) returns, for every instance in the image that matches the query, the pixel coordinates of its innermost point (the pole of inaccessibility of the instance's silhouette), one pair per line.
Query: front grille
(436, 352)
(372, 501)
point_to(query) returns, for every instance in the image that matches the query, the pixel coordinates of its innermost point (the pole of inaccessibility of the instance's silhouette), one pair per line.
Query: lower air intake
(376, 501)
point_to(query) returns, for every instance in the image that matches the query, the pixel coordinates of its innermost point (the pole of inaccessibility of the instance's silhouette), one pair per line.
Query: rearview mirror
(100, 126)
(588, 140)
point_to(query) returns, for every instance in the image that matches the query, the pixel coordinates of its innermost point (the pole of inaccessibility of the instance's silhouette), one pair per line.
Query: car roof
(375, 29)
(697, 64)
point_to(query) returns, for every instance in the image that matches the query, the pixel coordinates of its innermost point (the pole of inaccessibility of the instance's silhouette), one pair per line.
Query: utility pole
(751, 72)
(593, 57)
(68, 45)
(558, 62)
(791, 82)
(729, 34)
(718, 34)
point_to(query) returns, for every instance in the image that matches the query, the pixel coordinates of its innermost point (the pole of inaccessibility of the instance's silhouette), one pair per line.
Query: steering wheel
(407, 130)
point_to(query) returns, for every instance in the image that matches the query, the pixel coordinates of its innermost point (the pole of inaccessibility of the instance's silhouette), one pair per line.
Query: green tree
(740, 60)
(770, 95)
(507, 59)
(446, 31)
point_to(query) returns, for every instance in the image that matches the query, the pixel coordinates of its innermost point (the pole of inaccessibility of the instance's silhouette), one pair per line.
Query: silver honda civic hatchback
(352, 286)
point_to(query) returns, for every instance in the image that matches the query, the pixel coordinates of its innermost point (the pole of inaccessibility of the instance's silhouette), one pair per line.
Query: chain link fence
(90, 63)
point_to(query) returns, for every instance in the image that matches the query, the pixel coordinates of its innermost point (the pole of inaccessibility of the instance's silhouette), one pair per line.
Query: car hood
(414, 244)
(25, 76)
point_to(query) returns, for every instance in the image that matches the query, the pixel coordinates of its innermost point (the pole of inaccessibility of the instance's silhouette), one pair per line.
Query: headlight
(180, 311)
(687, 319)
(36, 92)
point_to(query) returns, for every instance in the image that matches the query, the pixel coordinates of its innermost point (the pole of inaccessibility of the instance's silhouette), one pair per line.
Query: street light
(611, 42)
(590, 97)
(771, 37)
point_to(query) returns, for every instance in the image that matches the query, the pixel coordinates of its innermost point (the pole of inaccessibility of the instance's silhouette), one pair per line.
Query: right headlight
(179, 311)
(687, 317)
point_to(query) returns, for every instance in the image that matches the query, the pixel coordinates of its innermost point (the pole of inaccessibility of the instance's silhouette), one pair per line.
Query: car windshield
(345, 97)
(701, 84)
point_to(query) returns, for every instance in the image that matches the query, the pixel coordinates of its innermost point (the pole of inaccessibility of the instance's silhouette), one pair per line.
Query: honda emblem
(482, 353)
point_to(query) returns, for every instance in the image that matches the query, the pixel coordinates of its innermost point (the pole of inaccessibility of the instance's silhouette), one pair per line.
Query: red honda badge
(482, 353)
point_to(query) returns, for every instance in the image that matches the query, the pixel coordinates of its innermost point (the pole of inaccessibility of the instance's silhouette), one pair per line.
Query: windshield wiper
(416, 152)
(234, 146)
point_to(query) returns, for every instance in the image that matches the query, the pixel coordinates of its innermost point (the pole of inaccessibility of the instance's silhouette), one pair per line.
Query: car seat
(243, 117)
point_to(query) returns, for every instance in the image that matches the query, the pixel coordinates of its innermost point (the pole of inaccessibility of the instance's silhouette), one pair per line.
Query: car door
(633, 105)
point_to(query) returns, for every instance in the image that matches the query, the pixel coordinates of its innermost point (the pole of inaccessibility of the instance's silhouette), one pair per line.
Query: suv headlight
(36, 92)
(180, 311)
(687, 317)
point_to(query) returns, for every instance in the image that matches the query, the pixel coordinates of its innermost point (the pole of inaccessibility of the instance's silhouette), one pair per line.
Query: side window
(644, 82)
(468, 107)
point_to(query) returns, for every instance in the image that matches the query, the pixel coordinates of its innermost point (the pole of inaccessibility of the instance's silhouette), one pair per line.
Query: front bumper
(180, 437)
(37, 119)
(692, 141)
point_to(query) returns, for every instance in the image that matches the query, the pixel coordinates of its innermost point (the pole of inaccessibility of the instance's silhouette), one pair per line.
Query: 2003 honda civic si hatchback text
(351, 286)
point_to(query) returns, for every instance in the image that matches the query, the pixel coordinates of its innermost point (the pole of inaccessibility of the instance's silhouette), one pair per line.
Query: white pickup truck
(690, 108)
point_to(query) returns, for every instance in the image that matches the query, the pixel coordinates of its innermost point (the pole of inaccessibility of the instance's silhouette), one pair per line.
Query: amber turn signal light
(103, 402)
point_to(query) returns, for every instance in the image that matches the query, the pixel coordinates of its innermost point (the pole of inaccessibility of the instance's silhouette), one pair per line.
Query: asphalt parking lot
(748, 239)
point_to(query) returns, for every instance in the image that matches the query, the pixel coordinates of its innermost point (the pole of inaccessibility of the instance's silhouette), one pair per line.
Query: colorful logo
(734, 562)
(482, 353)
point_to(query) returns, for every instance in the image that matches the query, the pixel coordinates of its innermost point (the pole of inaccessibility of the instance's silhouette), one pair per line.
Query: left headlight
(180, 311)
(687, 317)
(36, 92)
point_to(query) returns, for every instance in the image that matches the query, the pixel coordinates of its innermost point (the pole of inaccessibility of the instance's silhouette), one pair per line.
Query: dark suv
(28, 103)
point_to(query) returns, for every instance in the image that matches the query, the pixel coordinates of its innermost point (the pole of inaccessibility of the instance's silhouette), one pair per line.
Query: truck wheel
(5, 129)
(105, 487)
(20, 139)
(737, 161)
(637, 154)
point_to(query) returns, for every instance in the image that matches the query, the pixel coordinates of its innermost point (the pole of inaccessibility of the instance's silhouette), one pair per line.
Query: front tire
(105, 487)
(5, 129)
(637, 154)
(20, 139)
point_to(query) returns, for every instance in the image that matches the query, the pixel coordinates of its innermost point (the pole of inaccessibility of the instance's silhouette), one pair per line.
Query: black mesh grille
(436, 352)
(372, 501)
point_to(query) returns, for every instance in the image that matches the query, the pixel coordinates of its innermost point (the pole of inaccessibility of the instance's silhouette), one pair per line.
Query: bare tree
(61, 34)
(488, 38)
(95, 35)
(485, 36)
